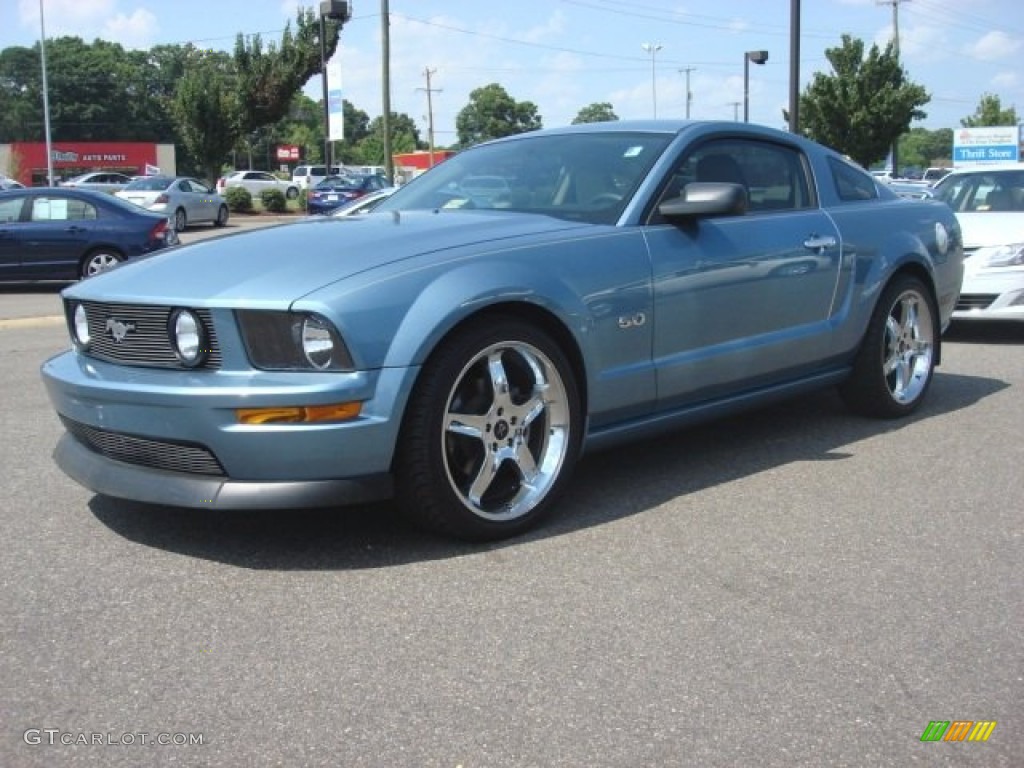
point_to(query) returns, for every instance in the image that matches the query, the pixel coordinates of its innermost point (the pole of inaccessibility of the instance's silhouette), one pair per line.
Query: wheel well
(547, 322)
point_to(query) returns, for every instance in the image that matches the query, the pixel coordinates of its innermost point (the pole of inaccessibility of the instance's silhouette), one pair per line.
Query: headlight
(317, 343)
(188, 337)
(290, 341)
(80, 326)
(1000, 256)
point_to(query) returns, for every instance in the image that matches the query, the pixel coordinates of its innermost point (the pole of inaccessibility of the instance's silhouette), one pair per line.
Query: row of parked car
(988, 201)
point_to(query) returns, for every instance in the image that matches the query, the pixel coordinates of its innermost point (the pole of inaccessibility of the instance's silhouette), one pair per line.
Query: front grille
(144, 337)
(145, 452)
(969, 301)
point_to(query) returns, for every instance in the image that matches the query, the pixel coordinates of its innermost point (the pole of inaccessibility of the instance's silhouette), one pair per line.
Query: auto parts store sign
(995, 144)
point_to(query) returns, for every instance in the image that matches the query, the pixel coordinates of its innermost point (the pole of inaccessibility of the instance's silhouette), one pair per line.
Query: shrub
(273, 200)
(239, 199)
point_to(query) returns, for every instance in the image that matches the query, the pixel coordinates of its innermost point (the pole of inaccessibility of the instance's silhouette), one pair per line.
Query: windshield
(983, 191)
(151, 184)
(578, 176)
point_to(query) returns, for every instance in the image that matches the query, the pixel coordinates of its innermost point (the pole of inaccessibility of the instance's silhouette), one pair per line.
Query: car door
(55, 235)
(748, 297)
(10, 236)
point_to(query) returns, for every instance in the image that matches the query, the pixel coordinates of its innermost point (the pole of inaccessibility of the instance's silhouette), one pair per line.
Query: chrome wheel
(909, 346)
(506, 431)
(99, 261)
(491, 432)
(896, 360)
(180, 220)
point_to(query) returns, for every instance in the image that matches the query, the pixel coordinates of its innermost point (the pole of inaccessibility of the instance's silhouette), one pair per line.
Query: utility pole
(896, 50)
(385, 35)
(736, 109)
(689, 95)
(427, 72)
(794, 66)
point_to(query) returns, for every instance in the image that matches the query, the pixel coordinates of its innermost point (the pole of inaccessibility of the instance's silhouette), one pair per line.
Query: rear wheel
(99, 260)
(292, 193)
(491, 433)
(896, 362)
(180, 220)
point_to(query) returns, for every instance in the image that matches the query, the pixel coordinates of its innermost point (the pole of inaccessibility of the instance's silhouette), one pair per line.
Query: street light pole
(653, 48)
(337, 10)
(758, 57)
(46, 97)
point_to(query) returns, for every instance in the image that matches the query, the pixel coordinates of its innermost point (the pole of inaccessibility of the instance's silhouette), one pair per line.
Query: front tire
(292, 193)
(896, 361)
(222, 216)
(491, 432)
(180, 220)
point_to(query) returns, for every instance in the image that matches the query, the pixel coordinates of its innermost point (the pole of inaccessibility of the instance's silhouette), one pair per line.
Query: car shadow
(986, 332)
(606, 487)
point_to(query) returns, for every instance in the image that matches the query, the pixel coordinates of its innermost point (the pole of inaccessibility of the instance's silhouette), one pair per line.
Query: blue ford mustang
(460, 352)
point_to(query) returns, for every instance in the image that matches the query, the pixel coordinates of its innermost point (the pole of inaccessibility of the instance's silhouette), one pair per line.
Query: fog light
(188, 337)
(81, 326)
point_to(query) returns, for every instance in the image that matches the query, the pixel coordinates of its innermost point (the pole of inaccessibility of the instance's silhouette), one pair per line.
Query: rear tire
(98, 261)
(896, 361)
(491, 432)
(292, 193)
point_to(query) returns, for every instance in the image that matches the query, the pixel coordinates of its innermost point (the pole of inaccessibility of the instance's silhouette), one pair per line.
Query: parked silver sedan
(185, 200)
(101, 181)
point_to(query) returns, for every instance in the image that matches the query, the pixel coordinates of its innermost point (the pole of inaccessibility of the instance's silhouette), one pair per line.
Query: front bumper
(991, 294)
(128, 426)
(126, 481)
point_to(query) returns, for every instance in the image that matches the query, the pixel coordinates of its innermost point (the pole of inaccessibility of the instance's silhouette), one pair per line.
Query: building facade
(25, 161)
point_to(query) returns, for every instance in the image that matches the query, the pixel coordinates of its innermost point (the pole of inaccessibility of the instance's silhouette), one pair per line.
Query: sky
(563, 55)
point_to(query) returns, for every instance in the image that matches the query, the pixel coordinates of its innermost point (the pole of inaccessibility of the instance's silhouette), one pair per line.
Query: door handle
(818, 243)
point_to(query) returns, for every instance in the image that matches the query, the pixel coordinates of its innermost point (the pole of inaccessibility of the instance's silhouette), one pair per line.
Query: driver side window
(772, 175)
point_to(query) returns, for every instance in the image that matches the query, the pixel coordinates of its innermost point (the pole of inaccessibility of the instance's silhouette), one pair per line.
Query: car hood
(280, 264)
(988, 228)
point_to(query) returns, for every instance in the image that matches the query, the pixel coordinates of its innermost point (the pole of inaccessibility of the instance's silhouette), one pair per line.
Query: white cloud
(994, 45)
(83, 18)
(138, 30)
(1006, 80)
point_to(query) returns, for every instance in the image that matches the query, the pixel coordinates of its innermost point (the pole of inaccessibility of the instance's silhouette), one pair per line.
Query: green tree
(21, 116)
(990, 112)
(97, 92)
(206, 110)
(926, 148)
(492, 113)
(267, 80)
(864, 106)
(598, 112)
(405, 137)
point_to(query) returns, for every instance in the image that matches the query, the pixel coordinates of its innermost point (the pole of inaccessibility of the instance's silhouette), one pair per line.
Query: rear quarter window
(851, 184)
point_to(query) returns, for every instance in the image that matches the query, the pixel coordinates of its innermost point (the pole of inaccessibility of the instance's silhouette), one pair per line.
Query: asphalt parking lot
(796, 587)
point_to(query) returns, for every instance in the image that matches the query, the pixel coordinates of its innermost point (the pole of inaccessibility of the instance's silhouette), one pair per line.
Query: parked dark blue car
(64, 234)
(335, 191)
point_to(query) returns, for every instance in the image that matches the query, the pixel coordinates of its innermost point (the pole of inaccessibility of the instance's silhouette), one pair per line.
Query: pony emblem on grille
(118, 329)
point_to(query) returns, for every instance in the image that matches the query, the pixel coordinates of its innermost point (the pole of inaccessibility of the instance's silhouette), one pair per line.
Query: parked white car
(989, 202)
(101, 181)
(257, 181)
(183, 199)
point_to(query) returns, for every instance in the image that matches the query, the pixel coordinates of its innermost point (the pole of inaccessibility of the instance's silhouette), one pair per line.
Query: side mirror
(709, 198)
